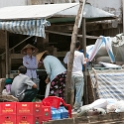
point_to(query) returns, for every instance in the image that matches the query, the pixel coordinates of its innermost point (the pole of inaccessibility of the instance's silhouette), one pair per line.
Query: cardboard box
(8, 119)
(25, 108)
(8, 108)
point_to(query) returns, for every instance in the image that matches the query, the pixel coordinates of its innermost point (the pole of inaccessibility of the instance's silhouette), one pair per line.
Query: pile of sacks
(101, 107)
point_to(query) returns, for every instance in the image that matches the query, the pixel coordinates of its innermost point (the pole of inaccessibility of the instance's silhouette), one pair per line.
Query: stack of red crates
(8, 113)
(24, 113)
(30, 113)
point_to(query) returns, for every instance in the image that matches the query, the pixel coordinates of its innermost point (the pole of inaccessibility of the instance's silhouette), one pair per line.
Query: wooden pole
(123, 14)
(17, 45)
(69, 94)
(85, 68)
(7, 55)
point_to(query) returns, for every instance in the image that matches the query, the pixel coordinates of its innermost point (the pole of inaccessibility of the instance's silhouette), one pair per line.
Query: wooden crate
(111, 118)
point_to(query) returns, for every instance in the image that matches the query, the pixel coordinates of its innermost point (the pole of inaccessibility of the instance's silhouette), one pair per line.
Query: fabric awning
(29, 27)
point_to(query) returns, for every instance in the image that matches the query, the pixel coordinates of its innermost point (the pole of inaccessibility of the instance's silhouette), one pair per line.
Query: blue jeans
(78, 85)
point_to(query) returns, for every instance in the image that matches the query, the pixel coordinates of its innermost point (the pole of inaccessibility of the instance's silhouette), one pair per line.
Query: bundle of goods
(101, 107)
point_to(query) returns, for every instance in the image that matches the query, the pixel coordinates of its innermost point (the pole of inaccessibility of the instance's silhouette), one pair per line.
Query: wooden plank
(20, 56)
(16, 56)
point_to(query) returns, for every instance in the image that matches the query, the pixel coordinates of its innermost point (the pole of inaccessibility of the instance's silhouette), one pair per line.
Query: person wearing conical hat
(56, 73)
(29, 61)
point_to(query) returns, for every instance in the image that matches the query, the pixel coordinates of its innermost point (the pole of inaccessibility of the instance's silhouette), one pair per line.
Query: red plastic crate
(46, 113)
(8, 108)
(25, 119)
(8, 119)
(37, 119)
(25, 108)
(37, 108)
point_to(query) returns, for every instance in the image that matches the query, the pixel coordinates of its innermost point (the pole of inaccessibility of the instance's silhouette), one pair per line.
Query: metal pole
(85, 68)
(7, 54)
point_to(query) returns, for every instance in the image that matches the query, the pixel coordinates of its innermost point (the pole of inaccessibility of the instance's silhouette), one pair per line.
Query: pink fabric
(8, 87)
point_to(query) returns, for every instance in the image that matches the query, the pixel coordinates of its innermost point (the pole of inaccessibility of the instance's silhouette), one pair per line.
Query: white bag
(111, 101)
(111, 108)
(47, 90)
(100, 103)
(120, 106)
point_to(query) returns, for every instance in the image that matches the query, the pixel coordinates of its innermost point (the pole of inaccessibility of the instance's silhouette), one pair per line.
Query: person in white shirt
(77, 74)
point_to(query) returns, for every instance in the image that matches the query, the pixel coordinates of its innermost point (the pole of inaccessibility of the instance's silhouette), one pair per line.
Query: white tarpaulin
(105, 41)
(33, 11)
(89, 12)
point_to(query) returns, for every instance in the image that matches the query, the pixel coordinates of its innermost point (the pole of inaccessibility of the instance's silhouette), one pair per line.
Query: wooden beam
(68, 34)
(17, 45)
(20, 56)
(16, 56)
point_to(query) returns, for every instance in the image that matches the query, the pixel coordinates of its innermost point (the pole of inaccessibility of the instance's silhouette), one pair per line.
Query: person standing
(29, 61)
(77, 75)
(56, 73)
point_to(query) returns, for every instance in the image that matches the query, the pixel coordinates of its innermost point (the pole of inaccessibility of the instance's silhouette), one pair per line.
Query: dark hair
(44, 55)
(22, 69)
(77, 44)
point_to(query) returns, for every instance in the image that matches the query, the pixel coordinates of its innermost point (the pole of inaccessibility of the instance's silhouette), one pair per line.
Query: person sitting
(20, 85)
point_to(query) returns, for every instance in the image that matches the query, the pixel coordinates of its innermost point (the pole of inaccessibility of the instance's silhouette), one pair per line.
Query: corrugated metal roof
(89, 12)
(33, 11)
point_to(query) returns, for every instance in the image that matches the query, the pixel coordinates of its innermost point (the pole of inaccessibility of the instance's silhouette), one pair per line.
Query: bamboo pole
(69, 94)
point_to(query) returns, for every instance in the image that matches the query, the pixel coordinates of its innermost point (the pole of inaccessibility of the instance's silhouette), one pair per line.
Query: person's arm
(65, 60)
(47, 67)
(84, 60)
(30, 83)
(47, 80)
(34, 86)
(26, 64)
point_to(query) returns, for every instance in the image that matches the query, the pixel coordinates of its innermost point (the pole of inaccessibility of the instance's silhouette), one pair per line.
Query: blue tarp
(28, 27)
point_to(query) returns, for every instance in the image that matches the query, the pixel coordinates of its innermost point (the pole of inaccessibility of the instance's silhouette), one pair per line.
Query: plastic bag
(111, 108)
(96, 111)
(111, 101)
(120, 106)
(100, 103)
(83, 110)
